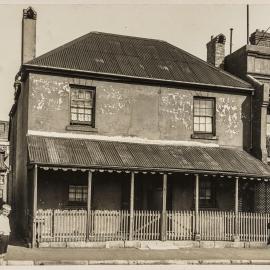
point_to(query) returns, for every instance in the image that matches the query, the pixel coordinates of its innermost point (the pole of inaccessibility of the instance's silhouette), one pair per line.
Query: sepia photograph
(135, 134)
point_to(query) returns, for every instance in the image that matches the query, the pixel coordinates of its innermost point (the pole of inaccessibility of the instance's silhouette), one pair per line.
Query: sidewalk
(18, 255)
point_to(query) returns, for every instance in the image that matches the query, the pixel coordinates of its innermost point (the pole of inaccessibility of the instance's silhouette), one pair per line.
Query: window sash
(78, 193)
(207, 194)
(203, 115)
(82, 106)
(2, 179)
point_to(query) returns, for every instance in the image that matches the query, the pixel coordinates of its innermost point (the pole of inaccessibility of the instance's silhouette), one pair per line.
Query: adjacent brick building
(125, 138)
(4, 160)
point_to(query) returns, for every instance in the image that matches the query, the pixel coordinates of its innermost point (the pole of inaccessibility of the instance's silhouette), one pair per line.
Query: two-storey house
(126, 138)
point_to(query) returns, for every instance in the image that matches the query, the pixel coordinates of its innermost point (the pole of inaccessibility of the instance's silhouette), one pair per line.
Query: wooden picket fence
(111, 225)
(216, 225)
(108, 225)
(146, 225)
(253, 227)
(180, 225)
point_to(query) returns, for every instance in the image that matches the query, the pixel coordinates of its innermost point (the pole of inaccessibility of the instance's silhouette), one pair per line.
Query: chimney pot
(260, 38)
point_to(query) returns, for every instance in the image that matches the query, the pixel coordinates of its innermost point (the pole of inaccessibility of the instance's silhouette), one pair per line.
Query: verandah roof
(115, 155)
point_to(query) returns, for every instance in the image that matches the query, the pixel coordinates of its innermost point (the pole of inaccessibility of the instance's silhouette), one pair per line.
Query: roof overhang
(88, 154)
(26, 68)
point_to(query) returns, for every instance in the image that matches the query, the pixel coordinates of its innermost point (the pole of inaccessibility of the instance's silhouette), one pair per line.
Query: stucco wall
(151, 112)
(19, 163)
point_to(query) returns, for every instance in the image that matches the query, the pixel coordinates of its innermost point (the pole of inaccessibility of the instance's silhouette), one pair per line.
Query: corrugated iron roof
(135, 57)
(85, 153)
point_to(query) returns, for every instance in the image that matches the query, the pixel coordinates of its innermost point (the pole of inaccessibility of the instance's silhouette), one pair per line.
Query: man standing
(4, 230)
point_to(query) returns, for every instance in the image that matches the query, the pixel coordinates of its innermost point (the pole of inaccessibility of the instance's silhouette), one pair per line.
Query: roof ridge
(210, 65)
(128, 36)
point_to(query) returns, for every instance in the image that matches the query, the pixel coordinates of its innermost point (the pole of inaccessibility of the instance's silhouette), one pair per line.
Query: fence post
(34, 206)
(236, 211)
(89, 196)
(131, 221)
(197, 233)
(164, 214)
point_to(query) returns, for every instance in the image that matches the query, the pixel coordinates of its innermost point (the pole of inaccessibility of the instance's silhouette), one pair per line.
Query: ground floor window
(77, 194)
(2, 179)
(207, 194)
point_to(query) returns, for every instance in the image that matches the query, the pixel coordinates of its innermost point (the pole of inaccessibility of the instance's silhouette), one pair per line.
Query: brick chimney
(216, 50)
(260, 38)
(28, 34)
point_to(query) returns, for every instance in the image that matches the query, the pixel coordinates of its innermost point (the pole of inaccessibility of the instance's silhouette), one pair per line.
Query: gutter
(31, 163)
(112, 76)
(254, 81)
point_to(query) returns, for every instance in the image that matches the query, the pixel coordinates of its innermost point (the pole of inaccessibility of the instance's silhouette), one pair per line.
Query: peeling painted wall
(151, 112)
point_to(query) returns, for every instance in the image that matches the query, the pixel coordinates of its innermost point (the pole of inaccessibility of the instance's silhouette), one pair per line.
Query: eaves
(26, 68)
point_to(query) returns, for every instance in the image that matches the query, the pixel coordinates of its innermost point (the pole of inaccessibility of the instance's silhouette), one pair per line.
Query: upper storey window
(204, 115)
(82, 106)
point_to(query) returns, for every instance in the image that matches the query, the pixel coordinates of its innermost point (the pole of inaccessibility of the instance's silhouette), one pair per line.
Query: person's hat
(6, 207)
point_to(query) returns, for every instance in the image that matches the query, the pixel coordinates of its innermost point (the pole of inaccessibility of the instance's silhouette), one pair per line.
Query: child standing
(4, 230)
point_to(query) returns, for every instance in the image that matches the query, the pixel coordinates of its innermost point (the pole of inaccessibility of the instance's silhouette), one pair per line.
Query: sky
(188, 26)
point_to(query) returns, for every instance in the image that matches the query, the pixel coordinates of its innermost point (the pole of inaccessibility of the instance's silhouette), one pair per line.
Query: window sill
(81, 128)
(204, 136)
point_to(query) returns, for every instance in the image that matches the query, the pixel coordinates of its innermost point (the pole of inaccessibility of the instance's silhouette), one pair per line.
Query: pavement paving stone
(22, 255)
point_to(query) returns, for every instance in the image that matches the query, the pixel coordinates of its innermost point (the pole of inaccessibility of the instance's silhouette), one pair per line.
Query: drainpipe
(263, 91)
(257, 83)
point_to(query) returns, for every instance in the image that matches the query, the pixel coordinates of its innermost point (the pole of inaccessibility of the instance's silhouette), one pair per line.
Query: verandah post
(236, 210)
(89, 197)
(131, 221)
(34, 205)
(164, 214)
(197, 233)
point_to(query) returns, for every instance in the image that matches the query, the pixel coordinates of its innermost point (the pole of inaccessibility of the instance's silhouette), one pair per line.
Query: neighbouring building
(4, 160)
(252, 62)
(124, 138)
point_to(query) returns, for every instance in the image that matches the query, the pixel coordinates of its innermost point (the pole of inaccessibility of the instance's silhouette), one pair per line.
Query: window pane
(196, 103)
(202, 120)
(87, 95)
(209, 104)
(196, 120)
(196, 127)
(209, 112)
(208, 120)
(202, 127)
(208, 127)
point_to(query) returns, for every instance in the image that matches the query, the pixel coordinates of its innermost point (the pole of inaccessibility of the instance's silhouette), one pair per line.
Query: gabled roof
(115, 155)
(134, 57)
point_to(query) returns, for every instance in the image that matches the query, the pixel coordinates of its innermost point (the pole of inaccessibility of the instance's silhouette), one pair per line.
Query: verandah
(56, 225)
